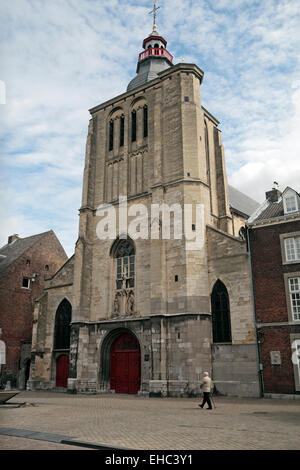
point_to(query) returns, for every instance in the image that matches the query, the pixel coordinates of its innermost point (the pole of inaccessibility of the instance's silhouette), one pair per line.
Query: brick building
(150, 314)
(25, 263)
(274, 238)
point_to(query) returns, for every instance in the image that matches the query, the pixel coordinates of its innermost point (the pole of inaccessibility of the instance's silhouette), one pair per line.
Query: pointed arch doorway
(61, 346)
(125, 365)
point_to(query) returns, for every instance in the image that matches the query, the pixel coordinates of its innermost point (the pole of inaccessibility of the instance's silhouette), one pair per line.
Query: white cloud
(62, 58)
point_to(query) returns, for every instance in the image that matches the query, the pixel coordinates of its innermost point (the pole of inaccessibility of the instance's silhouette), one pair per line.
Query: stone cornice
(181, 67)
(146, 318)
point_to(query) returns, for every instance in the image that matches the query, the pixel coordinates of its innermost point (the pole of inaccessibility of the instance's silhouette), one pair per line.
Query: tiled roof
(240, 202)
(11, 252)
(274, 209)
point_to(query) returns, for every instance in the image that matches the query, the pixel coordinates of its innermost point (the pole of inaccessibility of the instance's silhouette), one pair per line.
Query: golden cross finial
(155, 8)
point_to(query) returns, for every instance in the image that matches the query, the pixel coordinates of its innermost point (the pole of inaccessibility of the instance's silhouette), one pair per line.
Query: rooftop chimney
(13, 238)
(275, 194)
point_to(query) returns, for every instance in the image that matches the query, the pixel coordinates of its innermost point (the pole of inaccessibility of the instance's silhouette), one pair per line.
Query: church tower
(142, 319)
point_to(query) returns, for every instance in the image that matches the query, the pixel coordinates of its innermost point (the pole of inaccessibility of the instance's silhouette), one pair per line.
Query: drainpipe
(258, 355)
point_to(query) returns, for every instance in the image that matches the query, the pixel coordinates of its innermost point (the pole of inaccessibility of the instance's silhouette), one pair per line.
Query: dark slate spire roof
(10, 252)
(240, 202)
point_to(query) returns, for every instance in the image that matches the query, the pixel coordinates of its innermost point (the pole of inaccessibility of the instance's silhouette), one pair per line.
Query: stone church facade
(150, 315)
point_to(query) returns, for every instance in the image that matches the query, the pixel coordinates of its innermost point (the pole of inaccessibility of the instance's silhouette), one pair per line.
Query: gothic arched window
(133, 126)
(122, 127)
(62, 325)
(207, 151)
(125, 255)
(111, 136)
(220, 314)
(145, 116)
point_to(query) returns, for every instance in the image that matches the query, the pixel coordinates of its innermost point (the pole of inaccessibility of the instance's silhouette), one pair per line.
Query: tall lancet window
(207, 152)
(220, 314)
(124, 255)
(133, 126)
(122, 126)
(63, 325)
(111, 135)
(145, 110)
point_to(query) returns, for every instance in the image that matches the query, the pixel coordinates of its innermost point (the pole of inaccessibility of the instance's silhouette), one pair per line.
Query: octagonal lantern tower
(154, 59)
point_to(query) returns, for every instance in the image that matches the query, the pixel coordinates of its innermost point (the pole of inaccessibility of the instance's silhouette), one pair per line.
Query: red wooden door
(62, 371)
(125, 365)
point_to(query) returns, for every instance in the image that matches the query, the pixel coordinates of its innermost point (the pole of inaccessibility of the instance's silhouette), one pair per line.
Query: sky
(60, 58)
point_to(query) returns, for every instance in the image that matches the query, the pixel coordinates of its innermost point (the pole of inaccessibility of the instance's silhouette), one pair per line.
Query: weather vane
(155, 8)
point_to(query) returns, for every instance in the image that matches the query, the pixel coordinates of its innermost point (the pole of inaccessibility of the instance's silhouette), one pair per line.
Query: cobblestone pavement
(18, 443)
(153, 423)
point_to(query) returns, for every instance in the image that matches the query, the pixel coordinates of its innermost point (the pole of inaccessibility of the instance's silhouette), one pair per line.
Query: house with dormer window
(274, 242)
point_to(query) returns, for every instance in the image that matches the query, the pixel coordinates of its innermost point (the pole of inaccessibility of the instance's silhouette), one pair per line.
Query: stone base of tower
(235, 371)
(166, 355)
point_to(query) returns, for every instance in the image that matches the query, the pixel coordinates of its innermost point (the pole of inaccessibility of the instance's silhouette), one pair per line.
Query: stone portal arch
(120, 362)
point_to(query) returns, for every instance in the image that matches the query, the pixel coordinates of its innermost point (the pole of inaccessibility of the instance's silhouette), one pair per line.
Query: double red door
(125, 365)
(62, 371)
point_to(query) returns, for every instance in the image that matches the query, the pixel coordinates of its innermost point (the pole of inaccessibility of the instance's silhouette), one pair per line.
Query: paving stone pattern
(154, 423)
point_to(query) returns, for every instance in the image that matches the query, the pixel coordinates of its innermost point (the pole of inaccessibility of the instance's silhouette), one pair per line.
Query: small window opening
(47, 267)
(193, 227)
(26, 283)
(176, 278)
(186, 98)
(28, 262)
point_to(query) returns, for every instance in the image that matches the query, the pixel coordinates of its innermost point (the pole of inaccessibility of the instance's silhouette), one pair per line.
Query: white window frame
(288, 209)
(292, 248)
(287, 254)
(294, 295)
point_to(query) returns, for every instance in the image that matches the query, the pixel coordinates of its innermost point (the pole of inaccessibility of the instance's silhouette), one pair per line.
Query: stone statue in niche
(116, 305)
(130, 303)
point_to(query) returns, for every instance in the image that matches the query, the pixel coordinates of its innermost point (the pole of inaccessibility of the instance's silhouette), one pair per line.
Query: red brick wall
(268, 270)
(277, 378)
(271, 304)
(17, 303)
